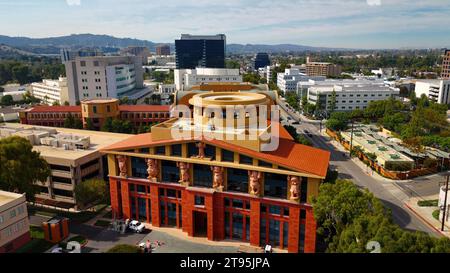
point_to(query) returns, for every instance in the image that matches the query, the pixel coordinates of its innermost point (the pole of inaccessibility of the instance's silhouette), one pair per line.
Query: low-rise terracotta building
(97, 111)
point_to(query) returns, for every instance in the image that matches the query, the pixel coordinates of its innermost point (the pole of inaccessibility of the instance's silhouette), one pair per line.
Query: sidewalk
(426, 215)
(180, 235)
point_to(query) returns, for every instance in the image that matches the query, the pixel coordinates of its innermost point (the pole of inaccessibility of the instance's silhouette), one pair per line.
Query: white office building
(287, 81)
(51, 91)
(186, 78)
(166, 90)
(350, 94)
(436, 90)
(268, 74)
(104, 77)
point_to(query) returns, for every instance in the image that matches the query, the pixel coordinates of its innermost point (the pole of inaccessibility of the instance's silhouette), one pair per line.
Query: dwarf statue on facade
(201, 150)
(217, 177)
(255, 182)
(294, 187)
(122, 160)
(152, 169)
(184, 172)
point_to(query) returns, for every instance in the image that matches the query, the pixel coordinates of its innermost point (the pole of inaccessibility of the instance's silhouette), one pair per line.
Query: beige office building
(73, 157)
(446, 65)
(322, 69)
(51, 91)
(14, 225)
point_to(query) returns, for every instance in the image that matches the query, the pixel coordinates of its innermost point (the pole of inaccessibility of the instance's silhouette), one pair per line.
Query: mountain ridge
(54, 44)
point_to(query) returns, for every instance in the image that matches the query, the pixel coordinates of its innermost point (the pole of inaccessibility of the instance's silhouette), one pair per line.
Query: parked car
(308, 133)
(136, 226)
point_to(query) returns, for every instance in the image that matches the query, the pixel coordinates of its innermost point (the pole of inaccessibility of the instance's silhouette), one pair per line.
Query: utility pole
(351, 140)
(445, 203)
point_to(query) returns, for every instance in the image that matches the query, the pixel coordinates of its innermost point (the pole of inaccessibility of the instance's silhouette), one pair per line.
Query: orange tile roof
(289, 154)
(55, 109)
(144, 108)
(124, 108)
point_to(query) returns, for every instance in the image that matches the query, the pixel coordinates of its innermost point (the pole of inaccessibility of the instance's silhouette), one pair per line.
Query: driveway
(172, 244)
(100, 240)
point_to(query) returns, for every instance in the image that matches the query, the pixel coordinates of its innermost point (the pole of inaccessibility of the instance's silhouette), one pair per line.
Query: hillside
(107, 43)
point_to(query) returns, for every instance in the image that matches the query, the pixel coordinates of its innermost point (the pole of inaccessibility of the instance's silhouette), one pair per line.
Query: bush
(428, 203)
(124, 249)
(303, 140)
(436, 214)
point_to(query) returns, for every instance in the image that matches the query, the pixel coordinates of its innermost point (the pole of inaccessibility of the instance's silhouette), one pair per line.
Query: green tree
(232, 64)
(292, 131)
(338, 121)
(89, 124)
(78, 124)
(304, 102)
(91, 191)
(7, 100)
(303, 140)
(252, 78)
(21, 74)
(21, 168)
(69, 121)
(333, 102)
(107, 125)
(349, 218)
(293, 100)
(339, 204)
(124, 100)
(121, 126)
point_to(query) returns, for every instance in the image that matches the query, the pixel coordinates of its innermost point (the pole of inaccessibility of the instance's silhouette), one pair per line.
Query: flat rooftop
(6, 197)
(373, 145)
(98, 140)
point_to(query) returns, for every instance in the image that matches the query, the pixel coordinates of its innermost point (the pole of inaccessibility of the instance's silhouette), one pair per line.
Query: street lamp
(351, 139)
(445, 202)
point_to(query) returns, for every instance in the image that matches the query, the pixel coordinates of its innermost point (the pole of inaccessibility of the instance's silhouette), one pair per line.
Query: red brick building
(97, 111)
(219, 189)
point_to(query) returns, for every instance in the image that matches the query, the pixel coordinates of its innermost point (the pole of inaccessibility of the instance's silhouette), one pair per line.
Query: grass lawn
(428, 203)
(37, 244)
(124, 249)
(79, 217)
(102, 223)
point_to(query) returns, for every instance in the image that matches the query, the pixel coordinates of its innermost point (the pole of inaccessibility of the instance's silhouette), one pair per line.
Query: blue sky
(329, 23)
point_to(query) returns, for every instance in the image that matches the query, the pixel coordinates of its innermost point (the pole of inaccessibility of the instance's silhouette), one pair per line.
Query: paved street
(425, 187)
(392, 195)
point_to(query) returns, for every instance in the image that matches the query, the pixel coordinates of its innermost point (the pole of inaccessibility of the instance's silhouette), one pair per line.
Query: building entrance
(200, 224)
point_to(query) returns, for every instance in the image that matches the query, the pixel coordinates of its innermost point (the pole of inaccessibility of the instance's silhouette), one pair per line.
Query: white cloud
(310, 22)
(374, 2)
(73, 2)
